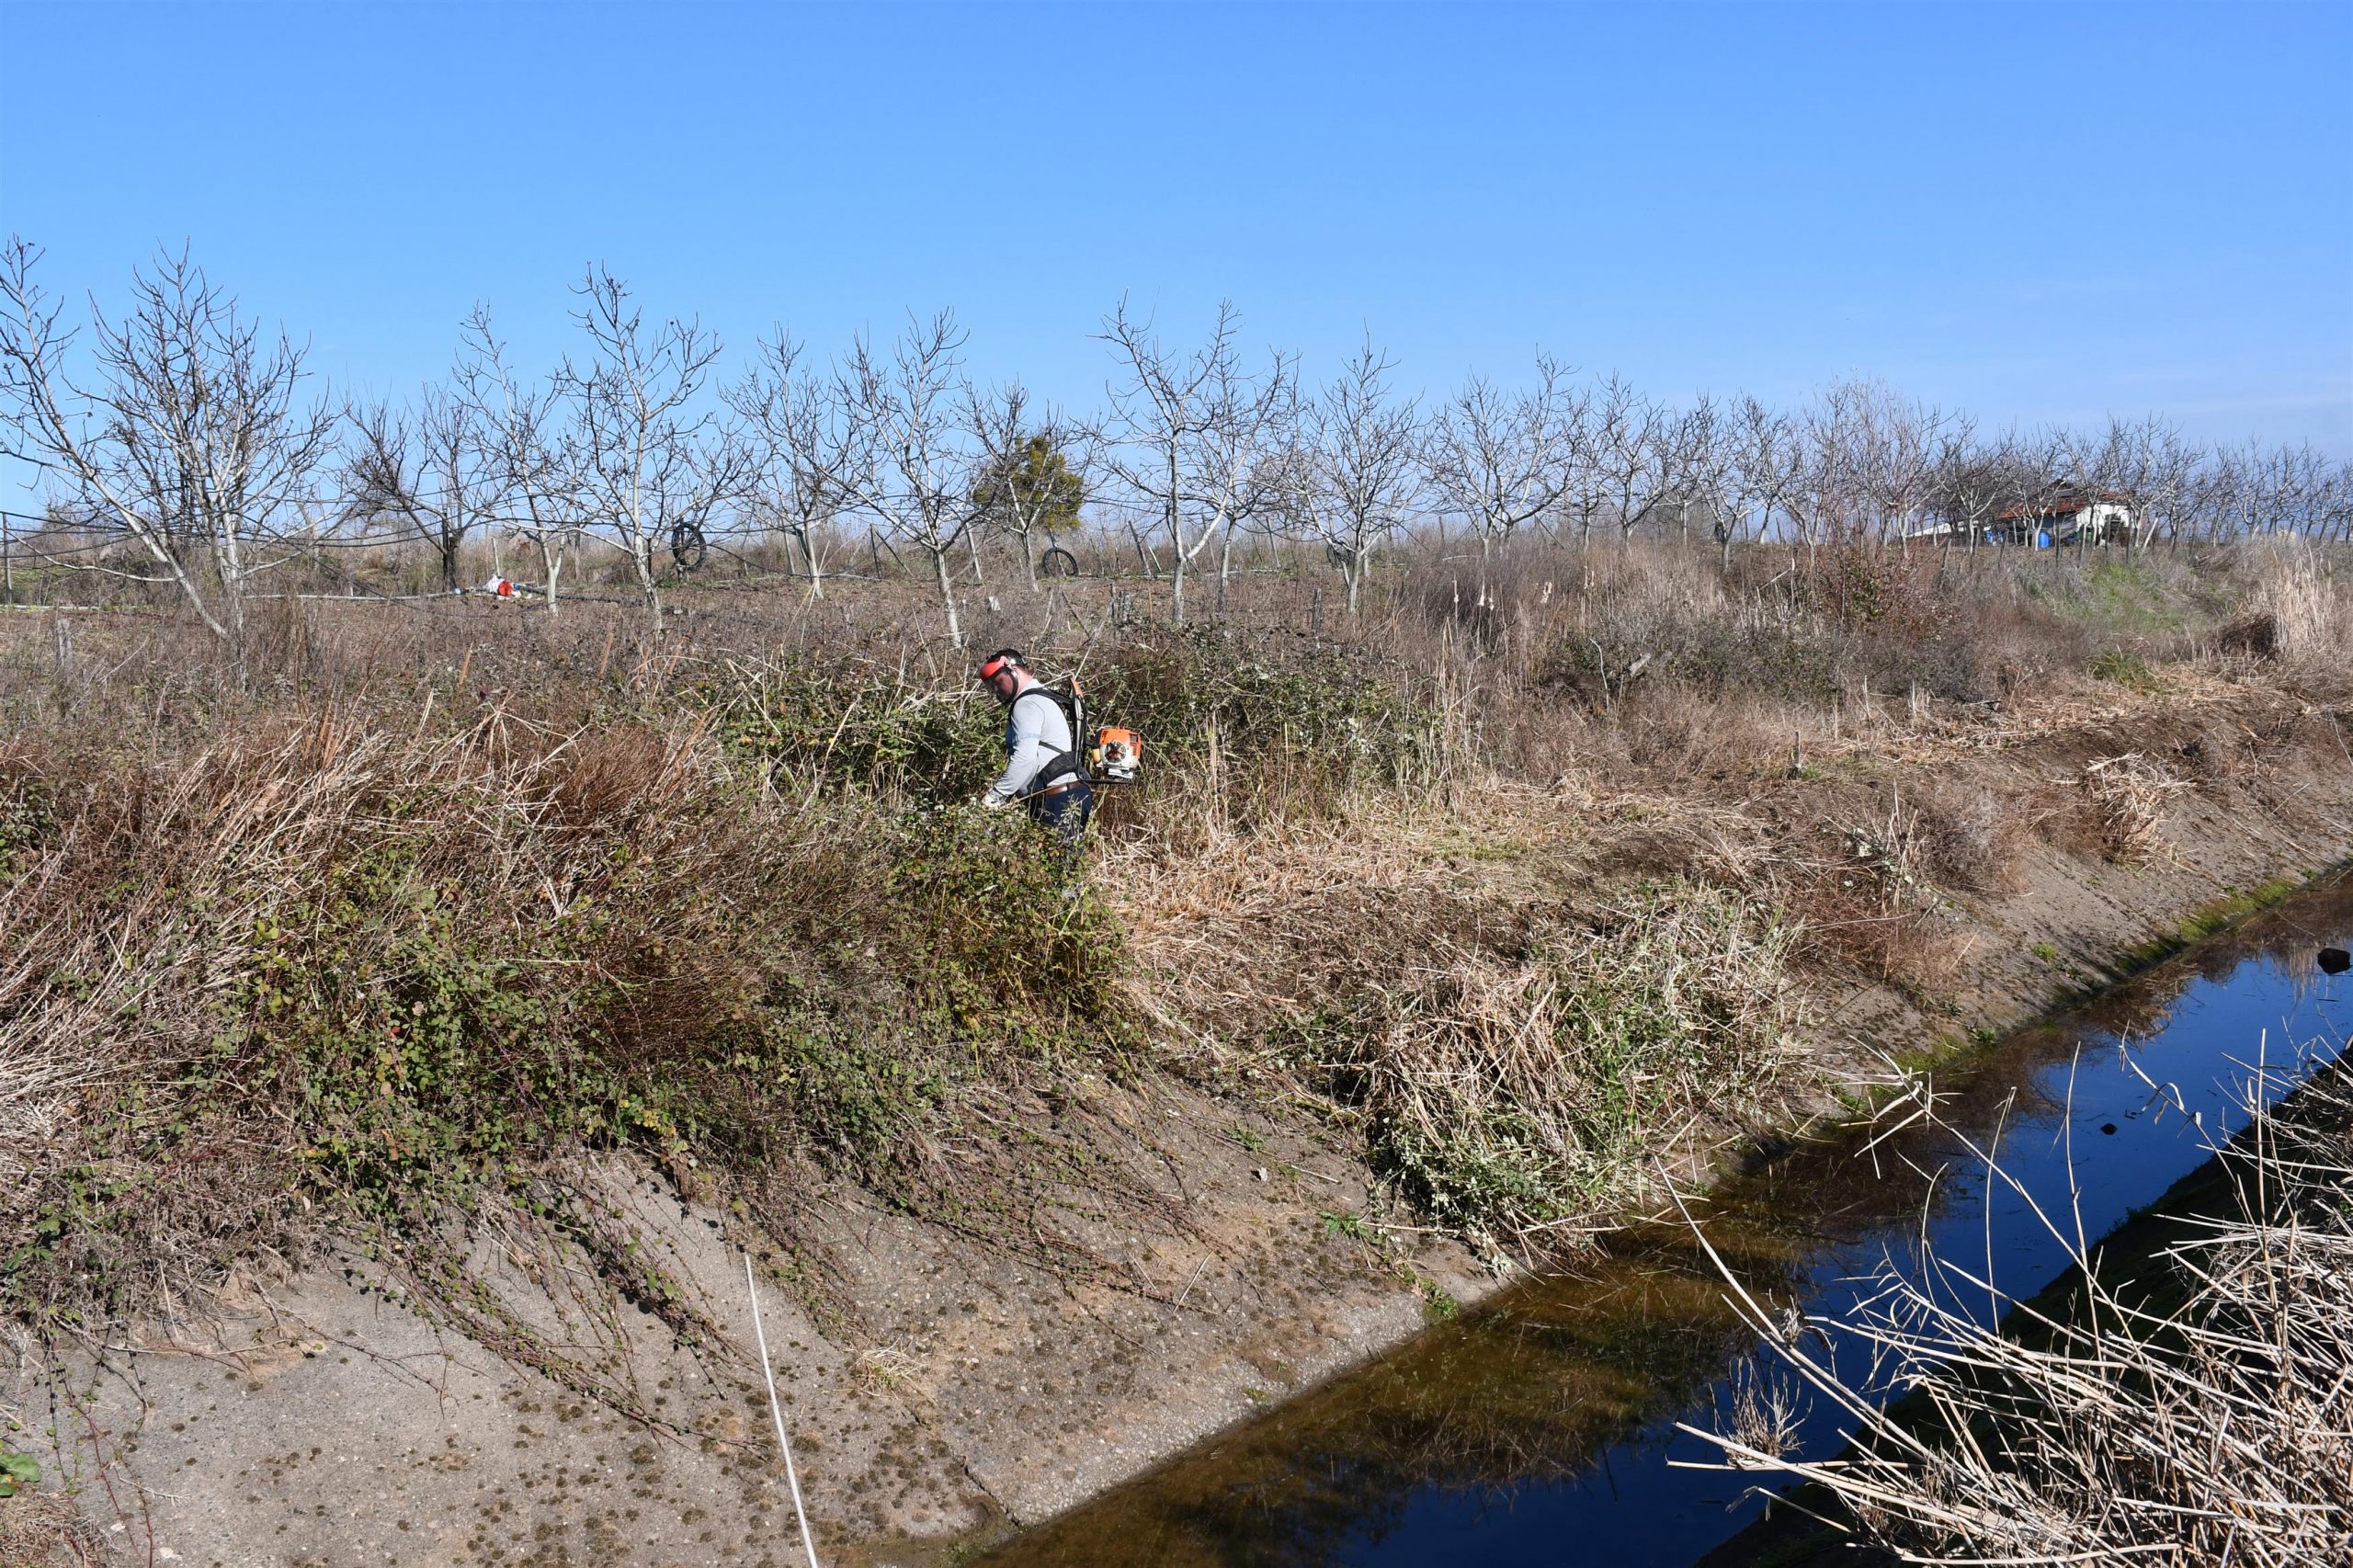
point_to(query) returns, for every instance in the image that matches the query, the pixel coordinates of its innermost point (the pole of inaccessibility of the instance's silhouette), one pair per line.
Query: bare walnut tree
(534, 463)
(1499, 460)
(191, 442)
(916, 482)
(654, 461)
(435, 473)
(1360, 464)
(1190, 434)
(805, 442)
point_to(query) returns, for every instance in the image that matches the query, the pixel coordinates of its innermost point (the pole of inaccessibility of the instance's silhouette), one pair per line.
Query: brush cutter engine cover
(1118, 755)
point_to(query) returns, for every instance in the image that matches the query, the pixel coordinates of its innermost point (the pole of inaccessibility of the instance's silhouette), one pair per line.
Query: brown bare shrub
(1969, 837)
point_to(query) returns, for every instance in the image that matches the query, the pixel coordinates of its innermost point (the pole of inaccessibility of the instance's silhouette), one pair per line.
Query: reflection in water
(1538, 1430)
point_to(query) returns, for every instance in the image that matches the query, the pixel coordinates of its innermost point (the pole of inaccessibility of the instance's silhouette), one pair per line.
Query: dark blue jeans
(1064, 813)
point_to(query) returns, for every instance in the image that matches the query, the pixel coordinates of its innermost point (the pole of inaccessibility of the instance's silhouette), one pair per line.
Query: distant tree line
(183, 446)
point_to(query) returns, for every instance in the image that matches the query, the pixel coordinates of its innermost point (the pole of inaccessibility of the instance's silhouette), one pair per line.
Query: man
(1043, 767)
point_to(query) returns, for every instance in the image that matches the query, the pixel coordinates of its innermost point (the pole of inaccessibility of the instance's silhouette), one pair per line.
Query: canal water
(1539, 1429)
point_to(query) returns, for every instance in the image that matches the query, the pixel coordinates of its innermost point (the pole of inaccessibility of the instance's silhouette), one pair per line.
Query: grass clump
(1501, 1099)
(2126, 668)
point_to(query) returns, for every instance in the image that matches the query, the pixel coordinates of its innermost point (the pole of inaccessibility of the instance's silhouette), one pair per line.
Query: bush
(384, 984)
(1500, 1098)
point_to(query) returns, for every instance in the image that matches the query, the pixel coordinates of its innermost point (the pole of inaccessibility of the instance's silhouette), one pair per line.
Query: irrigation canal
(1539, 1430)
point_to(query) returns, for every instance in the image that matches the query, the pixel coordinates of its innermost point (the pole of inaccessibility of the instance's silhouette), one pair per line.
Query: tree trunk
(1149, 561)
(947, 596)
(642, 556)
(816, 567)
(1030, 559)
(550, 562)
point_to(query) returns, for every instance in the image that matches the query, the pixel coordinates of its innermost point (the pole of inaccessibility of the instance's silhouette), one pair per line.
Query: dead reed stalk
(2205, 1420)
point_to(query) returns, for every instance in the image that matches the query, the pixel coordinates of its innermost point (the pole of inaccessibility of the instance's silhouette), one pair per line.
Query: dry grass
(1509, 1098)
(2133, 796)
(44, 1529)
(1440, 835)
(2205, 1419)
(2305, 598)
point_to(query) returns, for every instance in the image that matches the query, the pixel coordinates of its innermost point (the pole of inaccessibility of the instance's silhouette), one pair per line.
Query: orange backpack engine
(1118, 754)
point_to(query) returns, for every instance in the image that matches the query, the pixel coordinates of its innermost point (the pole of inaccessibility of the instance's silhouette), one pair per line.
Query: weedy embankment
(1510, 899)
(320, 977)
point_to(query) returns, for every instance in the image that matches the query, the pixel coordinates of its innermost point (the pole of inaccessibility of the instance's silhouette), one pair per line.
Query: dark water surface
(1539, 1430)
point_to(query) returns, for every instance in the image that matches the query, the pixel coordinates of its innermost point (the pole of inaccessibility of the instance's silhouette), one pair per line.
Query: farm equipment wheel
(1058, 562)
(688, 547)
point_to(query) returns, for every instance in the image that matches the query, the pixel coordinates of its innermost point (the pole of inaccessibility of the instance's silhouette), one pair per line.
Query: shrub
(1500, 1098)
(384, 984)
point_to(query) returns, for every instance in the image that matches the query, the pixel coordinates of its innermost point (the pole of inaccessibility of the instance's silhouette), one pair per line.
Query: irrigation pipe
(791, 1476)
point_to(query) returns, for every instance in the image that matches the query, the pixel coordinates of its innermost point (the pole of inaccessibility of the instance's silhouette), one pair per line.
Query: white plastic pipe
(791, 1476)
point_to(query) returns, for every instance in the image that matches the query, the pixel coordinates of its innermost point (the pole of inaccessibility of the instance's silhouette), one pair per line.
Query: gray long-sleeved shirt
(1036, 732)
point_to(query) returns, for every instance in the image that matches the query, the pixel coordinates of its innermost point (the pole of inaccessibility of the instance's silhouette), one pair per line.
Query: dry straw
(2208, 1423)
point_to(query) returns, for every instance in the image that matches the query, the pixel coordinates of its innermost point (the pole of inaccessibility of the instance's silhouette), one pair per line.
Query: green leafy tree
(1029, 488)
(1025, 486)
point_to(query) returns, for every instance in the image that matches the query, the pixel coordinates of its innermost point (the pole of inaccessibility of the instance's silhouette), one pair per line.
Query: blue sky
(2035, 212)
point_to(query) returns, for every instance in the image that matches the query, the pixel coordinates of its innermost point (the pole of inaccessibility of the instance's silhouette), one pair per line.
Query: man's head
(1004, 673)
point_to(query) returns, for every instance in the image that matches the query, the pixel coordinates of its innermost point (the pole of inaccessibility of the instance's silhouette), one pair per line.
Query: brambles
(394, 985)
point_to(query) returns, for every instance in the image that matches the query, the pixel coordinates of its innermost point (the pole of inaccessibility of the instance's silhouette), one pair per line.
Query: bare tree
(1501, 461)
(1362, 465)
(1631, 455)
(655, 463)
(917, 480)
(436, 474)
(1189, 434)
(2033, 464)
(2145, 461)
(1967, 483)
(537, 470)
(805, 442)
(192, 441)
(1894, 457)
(1767, 462)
